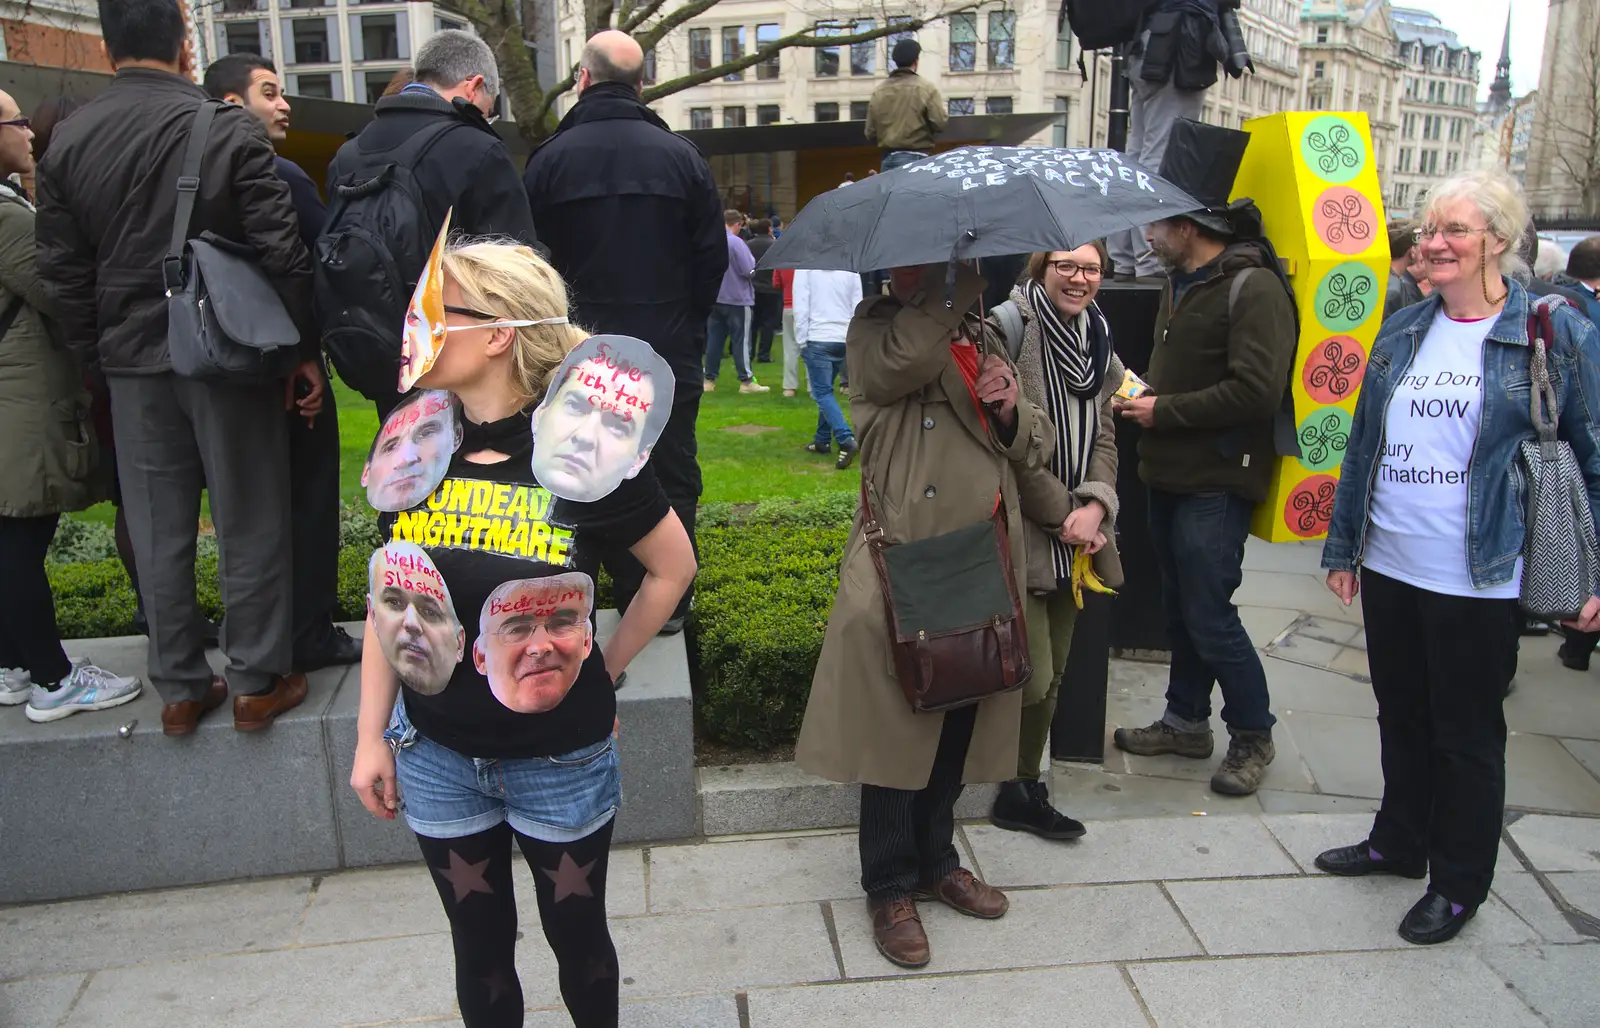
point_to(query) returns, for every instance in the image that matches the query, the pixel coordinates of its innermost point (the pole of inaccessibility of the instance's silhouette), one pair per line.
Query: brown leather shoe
(897, 929)
(253, 713)
(962, 890)
(182, 717)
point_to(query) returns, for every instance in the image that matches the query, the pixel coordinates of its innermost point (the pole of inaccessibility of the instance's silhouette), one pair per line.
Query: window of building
(997, 105)
(1319, 70)
(245, 37)
(308, 3)
(960, 105)
(310, 41)
(1402, 195)
(1316, 102)
(241, 6)
(1322, 33)
(566, 52)
(828, 56)
(373, 83)
(733, 117)
(963, 42)
(320, 86)
(826, 112)
(858, 110)
(1403, 162)
(892, 39)
(650, 67)
(700, 117)
(732, 50)
(1064, 46)
(1451, 161)
(766, 35)
(1428, 162)
(767, 114)
(380, 37)
(448, 25)
(700, 52)
(1457, 130)
(1058, 129)
(864, 56)
(1002, 40)
(1408, 126)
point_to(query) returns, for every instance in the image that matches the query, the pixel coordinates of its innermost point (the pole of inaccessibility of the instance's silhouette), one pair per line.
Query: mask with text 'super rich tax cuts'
(424, 327)
(413, 617)
(606, 406)
(413, 449)
(533, 636)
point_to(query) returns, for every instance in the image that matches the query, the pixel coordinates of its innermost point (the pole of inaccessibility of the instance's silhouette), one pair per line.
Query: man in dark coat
(612, 174)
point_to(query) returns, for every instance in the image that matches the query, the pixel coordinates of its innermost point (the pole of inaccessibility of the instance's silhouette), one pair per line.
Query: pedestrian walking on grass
(730, 319)
(824, 304)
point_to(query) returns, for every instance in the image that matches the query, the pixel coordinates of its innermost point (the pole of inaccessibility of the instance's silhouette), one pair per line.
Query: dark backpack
(1100, 24)
(377, 239)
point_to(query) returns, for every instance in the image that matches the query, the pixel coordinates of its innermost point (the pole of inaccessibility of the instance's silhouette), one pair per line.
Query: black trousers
(314, 522)
(908, 836)
(766, 320)
(677, 466)
(1440, 665)
(28, 636)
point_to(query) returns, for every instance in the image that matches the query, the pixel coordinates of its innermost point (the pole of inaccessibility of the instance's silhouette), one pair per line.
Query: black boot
(1023, 805)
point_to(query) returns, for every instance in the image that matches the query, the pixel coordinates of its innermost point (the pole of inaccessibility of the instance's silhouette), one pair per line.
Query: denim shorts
(445, 795)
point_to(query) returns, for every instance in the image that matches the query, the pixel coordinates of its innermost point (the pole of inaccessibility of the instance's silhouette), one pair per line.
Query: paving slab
(1297, 688)
(1556, 981)
(719, 1011)
(1579, 888)
(1287, 771)
(1549, 698)
(705, 951)
(1321, 914)
(745, 799)
(1307, 593)
(1275, 802)
(756, 871)
(1092, 794)
(111, 931)
(1559, 843)
(1352, 662)
(1264, 624)
(1044, 927)
(1542, 775)
(1298, 558)
(1445, 986)
(1342, 752)
(1306, 835)
(1062, 997)
(38, 1002)
(1585, 752)
(1132, 850)
(1522, 892)
(1137, 678)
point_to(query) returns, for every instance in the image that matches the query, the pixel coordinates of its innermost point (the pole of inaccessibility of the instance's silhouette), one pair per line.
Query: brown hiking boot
(1242, 769)
(1161, 738)
(965, 892)
(897, 929)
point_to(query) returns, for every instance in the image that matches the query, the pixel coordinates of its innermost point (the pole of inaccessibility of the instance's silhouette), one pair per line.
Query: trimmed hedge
(768, 574)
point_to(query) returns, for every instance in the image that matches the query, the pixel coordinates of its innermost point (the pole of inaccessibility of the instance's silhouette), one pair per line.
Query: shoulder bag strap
(1009, 318)
(188, 193)
(1542, 396)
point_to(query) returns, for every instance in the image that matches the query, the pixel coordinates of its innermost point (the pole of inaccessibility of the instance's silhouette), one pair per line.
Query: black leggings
(473, 876)
(28, 636)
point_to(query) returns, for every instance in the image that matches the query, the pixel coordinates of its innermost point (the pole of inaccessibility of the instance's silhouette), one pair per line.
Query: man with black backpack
(429, 150)
(110, 190)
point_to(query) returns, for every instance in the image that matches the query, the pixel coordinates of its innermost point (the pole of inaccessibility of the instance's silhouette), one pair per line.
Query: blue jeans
(1198, 542)
(823, 362)
(445, 795)
(728, 321)
(900, 158)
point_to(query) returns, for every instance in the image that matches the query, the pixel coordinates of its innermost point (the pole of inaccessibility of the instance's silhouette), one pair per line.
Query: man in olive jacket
(1218, 375)
(108, 192)
(906, 113)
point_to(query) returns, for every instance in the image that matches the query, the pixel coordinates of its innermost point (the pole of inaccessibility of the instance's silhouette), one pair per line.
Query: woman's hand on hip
(373, 778)
(1083, 524)
(1588, 620)
(1344, 585)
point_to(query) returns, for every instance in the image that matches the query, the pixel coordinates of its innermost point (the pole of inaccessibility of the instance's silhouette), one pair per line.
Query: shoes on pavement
(1572, 656)
(1249, 753)
(181, 718)
(1533, 627)
(847, 453)
(897, 930)
(16, 685)
(753, 386)
(1432, 921)
(1160, 739)
(338, 647)
(788, 394)
(86, 687)
(1356, 861)
(824, 451)
(1023, 805)
(963, 891)
(711, 385)
(253, 713)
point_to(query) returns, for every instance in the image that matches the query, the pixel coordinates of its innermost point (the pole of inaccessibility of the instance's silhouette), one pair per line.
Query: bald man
(614, 170)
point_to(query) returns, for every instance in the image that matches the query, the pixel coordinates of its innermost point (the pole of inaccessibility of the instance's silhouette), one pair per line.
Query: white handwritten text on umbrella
(982, 166)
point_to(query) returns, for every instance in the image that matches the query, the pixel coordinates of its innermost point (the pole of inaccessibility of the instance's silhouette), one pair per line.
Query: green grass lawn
(750, 445)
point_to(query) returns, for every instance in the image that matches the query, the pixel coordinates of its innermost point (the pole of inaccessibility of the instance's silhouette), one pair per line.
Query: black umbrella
(977, 201)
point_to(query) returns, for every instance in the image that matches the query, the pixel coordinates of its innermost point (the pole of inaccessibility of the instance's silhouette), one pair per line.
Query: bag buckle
(188, 183)
(872, 532)
(172, 274)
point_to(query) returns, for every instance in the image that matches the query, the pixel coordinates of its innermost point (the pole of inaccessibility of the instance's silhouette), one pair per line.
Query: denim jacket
(1496, 492)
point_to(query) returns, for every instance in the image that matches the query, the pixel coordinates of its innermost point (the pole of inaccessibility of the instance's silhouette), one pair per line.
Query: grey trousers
(175, 437)
(1153, 108)
(791, 353)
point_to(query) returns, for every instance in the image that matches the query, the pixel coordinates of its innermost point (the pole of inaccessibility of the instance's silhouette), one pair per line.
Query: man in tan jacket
(906, 113)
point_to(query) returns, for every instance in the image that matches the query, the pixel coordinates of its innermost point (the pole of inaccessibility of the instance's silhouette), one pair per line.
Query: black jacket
(308, 206)
(467, 169)
(634, 224)
(107, 195)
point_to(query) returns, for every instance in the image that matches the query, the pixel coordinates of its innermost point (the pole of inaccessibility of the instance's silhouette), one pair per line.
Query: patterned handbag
(1560, 555)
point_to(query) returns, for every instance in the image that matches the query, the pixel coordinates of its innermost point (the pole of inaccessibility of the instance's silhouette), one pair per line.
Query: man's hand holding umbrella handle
(997, 388)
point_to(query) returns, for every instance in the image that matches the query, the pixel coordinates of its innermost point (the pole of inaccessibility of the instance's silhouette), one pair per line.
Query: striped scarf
(1075, 355)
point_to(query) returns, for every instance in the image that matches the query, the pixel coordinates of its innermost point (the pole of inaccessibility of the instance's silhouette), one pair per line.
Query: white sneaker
(15, 686)
(86, 688)
(753, 386)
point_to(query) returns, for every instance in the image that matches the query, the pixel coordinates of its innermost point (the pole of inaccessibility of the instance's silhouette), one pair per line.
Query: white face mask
(507, 324)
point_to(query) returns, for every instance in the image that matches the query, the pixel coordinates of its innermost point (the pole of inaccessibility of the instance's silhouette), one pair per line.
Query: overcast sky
(1481, 24)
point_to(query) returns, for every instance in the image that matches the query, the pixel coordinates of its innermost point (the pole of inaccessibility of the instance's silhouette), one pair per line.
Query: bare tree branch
(654, 34)
(634, 16)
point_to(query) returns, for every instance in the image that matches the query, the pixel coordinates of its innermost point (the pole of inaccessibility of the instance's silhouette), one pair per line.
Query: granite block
(676, 954)
(1522, 892)
(744, 799)
(38, 1002)
(1559, 843)
(1556, 981)
(717, 1011)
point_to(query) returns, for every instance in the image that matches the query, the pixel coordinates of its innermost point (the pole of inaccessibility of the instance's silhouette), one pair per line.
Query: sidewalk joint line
(1285, 850)
(644, 856)
(83, 987)
(1182, 917)
(833, 937)
(741, 1003)
(1138, 997)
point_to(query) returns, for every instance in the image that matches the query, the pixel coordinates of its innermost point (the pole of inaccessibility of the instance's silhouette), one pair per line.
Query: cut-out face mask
(412, 452)
(606, 406)
(425, 327)
(412, 615)
(533, 637)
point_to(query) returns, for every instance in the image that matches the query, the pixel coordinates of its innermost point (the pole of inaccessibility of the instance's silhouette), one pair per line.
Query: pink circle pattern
(1344, 220)
(1310, 506)
(1333, 371)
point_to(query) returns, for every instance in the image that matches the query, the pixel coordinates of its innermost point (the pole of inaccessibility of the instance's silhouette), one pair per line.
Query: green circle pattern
(1333, 148)
(1323, 437)
(1346, 297)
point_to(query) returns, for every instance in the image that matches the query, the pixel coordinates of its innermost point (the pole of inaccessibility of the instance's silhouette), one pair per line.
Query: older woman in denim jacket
(1430, 514)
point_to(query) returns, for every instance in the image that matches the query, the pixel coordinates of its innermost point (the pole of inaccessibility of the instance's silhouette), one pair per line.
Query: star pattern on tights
(501, 984)
(570, 878)
(464, 877)
(599, 970)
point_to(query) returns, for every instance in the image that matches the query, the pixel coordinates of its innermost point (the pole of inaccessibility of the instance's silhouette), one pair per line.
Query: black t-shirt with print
(487, 524)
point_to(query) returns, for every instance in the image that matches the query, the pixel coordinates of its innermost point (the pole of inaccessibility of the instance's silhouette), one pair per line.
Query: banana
(1083, 575)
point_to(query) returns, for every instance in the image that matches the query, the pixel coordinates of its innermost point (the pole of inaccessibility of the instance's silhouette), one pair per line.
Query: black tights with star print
(473, 875)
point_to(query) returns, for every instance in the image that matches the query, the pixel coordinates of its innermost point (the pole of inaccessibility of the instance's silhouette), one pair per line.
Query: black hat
(1203, 161)
(906, 53)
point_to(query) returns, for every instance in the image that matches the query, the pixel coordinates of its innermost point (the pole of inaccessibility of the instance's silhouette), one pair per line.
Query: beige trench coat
(931, 467)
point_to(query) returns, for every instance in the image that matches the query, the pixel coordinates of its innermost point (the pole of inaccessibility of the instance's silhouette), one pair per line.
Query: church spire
(1500, 89)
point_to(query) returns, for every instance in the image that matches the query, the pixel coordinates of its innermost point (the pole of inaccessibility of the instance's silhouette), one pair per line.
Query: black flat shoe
(1356, 861)
(1430, 922)
(1024, 806)
(338, 648)
(1572, 658)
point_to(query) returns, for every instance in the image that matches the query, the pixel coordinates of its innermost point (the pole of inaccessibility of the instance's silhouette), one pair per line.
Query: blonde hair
(513, 283)
(1499, 199)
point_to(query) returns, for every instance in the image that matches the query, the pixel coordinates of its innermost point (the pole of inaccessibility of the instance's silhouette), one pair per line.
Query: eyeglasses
(1454, 231)
(18, 122)
(492, 321)
(1067, 269)
(564, 626)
